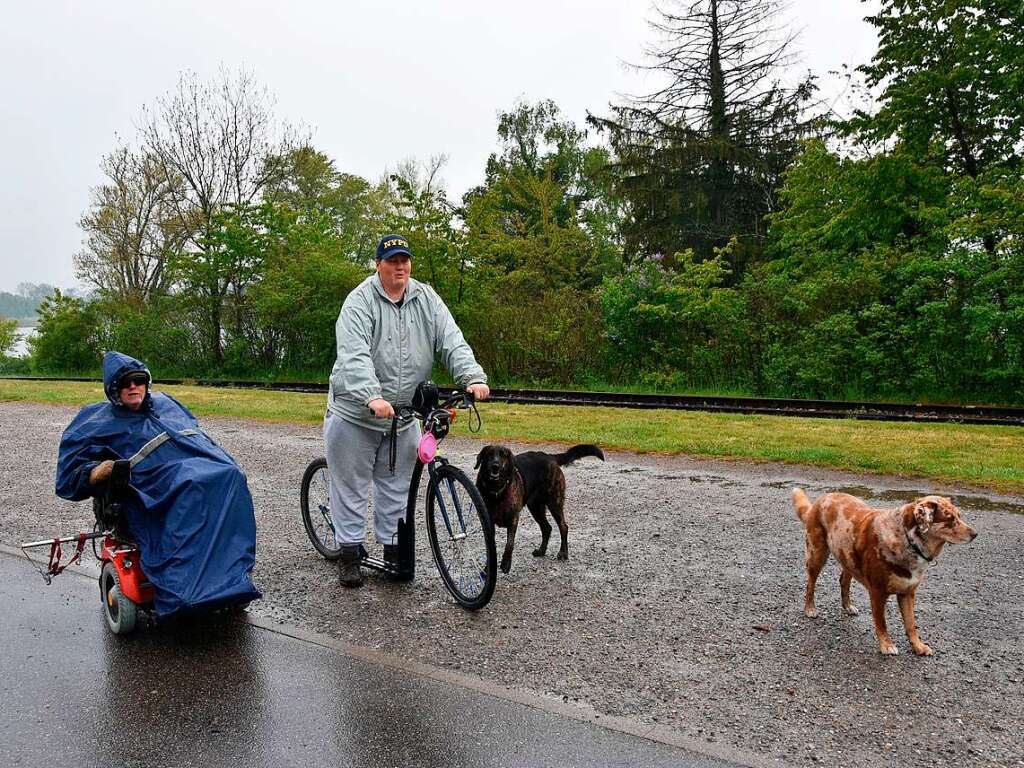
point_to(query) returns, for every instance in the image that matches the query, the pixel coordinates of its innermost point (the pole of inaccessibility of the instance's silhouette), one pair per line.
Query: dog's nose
(974, 534)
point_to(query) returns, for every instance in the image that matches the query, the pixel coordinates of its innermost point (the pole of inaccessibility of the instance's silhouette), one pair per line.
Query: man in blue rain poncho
(187, 504)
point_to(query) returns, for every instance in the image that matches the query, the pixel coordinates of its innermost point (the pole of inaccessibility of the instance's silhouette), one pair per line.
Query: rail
(830, 409)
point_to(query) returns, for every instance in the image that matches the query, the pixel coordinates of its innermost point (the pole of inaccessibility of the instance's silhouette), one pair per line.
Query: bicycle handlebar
(456, 398)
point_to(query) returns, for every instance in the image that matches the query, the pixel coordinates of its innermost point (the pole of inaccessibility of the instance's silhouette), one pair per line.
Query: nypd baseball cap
(392, 245)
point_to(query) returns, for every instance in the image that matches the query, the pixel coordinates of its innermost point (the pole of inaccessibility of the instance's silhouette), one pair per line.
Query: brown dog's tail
(802, 505)
(577, 452)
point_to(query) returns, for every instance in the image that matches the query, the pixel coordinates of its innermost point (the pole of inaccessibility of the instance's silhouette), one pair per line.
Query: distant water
(21, 345)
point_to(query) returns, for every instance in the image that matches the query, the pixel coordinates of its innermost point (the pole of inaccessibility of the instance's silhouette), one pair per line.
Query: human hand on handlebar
(101, 472)
(381, 408)
(479, 391)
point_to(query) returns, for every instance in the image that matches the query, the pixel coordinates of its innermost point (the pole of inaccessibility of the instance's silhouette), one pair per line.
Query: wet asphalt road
(679, 610)
(226, 692)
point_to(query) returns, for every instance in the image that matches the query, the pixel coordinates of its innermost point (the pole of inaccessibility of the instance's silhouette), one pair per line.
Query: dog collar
(505, 487)
(913, 545)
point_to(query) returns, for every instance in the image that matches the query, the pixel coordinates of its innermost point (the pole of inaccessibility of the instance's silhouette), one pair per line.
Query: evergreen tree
(700, 160)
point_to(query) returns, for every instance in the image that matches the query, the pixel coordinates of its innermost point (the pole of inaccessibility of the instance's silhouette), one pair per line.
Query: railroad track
(829, 409)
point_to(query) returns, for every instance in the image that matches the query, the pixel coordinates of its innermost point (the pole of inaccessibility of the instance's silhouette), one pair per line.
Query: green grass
(982, 456)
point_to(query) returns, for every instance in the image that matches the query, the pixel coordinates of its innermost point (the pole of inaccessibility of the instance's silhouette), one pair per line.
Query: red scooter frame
(124, 588)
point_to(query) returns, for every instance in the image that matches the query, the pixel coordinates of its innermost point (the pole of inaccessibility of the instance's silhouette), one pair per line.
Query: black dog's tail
(577, 452)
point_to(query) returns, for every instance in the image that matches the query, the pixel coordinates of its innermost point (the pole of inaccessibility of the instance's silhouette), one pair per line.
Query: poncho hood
(115, 365)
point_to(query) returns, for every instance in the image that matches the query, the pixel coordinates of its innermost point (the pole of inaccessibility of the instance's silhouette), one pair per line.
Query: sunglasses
(138, 379)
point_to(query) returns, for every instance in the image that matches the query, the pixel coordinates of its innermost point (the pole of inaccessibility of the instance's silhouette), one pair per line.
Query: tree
(306, 275)
(674, 323)
(545, 204)
(8, 335)
(542, 232)
(313, 187)
(24, 304)
(226, 265)
(951, 81)
(130, 230)
(878, 285)
(420, 209)
(701, 158)
(35, 292)
(215, 145)
(66, 339)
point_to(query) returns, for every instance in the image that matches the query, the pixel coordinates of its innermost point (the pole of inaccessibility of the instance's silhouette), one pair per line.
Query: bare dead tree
(221, 145)
(220, 139)
(130, 230)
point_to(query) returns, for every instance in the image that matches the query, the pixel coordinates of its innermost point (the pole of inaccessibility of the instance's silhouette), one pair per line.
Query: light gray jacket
(385, 350)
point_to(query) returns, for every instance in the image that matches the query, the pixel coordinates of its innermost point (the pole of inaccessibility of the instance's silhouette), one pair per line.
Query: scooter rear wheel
(315, 503)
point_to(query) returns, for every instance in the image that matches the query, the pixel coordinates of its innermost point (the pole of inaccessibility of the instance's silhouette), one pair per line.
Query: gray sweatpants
(355, 455)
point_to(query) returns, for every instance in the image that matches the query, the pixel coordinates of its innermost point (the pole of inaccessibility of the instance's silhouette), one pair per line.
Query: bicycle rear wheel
(315, 502)
(461, 537)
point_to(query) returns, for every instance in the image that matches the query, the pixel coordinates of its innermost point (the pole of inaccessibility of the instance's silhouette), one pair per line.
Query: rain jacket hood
(116, 365)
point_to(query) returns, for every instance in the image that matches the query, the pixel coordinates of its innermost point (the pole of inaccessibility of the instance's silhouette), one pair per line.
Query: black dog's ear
(480, 456)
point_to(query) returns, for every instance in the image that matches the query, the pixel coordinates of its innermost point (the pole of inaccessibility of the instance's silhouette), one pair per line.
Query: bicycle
(458, 525)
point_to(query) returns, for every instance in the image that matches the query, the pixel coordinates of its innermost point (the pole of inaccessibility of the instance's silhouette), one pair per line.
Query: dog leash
(393, 444)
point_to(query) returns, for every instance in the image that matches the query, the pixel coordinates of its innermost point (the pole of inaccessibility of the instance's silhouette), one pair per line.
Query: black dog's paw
(563, 555)
(540, 552)
(506, 564)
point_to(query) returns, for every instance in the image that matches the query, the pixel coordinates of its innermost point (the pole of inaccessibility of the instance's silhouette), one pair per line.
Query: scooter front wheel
(461, 537)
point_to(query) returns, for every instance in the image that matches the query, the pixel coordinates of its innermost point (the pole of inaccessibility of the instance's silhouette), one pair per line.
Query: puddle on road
(713, 479)
(902, 496)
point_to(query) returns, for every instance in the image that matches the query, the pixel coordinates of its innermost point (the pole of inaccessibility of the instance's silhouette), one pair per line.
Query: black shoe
(348, 566)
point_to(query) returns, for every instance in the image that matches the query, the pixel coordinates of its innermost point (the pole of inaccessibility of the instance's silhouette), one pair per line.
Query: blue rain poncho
(187, 506)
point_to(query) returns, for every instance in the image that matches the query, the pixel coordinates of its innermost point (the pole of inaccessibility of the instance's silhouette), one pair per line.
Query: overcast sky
(375, 81)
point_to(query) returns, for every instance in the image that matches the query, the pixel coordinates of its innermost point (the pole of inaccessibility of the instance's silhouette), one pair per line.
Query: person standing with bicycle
(389, 332)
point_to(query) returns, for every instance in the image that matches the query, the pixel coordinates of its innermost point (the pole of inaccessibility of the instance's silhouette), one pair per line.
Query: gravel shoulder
(680, 605)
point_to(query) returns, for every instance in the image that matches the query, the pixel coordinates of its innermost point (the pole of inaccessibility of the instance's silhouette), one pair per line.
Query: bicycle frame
(405, 568)
(406, 536)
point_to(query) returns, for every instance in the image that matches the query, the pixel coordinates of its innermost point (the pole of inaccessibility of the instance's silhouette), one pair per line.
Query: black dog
(533, 479)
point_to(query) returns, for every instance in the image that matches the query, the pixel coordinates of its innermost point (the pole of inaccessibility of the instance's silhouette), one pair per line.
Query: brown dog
(533, 479)
(885, 550)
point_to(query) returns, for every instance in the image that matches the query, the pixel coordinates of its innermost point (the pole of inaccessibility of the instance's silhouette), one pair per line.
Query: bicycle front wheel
(461, 537)
(315, 502)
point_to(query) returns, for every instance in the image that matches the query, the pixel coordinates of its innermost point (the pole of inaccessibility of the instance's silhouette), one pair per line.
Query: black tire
(315, 502)
(467, 561)
(120, 612)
